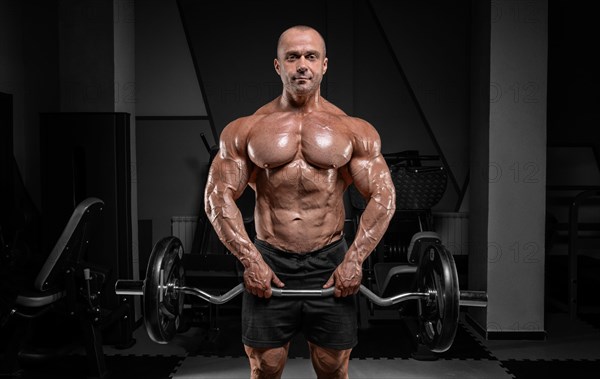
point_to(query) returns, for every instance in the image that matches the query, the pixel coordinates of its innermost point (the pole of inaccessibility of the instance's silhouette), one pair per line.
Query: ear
(277, 67)
(325, 65)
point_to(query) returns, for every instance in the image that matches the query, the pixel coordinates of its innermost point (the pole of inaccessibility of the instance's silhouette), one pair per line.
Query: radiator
(453, 228)
(184, 228)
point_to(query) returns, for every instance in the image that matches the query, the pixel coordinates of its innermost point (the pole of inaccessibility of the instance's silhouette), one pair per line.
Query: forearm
(228, 224)
(373, 224)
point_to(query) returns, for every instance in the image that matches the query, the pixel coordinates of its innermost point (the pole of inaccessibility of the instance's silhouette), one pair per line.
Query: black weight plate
(438, 318)
(162, 309)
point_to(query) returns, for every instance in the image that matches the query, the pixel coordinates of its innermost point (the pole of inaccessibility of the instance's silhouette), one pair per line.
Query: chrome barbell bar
(136, 288)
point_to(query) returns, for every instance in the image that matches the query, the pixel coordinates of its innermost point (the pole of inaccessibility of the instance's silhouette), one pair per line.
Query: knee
(329, 363)
(271, 362)
(267, 363)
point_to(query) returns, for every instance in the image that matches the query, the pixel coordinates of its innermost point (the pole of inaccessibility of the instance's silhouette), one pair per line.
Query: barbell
(436, 290)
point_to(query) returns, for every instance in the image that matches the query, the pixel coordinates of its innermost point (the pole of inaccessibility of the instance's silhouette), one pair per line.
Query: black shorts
(325, 321)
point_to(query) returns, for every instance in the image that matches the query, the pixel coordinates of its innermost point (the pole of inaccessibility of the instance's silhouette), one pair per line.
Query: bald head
(304, 29)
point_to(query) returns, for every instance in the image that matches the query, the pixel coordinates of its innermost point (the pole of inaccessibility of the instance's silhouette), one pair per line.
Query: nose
(301, 67)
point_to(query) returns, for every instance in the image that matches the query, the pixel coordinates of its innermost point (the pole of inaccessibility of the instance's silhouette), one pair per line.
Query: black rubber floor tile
(570, 369)
(383, 339)
(119, 367)
(466, 346)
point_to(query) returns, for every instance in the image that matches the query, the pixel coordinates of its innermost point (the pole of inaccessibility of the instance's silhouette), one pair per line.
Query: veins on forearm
(375, 219)
(226, 217)
(230, 229)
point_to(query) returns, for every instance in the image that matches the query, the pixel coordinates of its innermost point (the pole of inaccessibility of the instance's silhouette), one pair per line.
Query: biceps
(228, 175)
(373, 180)
(227, 179)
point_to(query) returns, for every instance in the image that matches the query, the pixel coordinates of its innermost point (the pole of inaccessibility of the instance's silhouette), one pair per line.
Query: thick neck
(301, 102)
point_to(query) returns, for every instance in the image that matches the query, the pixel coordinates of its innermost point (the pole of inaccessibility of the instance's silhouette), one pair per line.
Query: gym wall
(29, 36)
(172, 161)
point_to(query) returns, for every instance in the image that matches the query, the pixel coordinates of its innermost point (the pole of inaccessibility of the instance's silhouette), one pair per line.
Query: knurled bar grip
(467, 298)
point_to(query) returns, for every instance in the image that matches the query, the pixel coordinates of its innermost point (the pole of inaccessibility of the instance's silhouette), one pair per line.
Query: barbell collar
(473, 299)
(129, 287)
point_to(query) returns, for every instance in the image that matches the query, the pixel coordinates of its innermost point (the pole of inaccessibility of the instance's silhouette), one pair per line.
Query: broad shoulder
(357, 127)
(234, 137)
(234, 129)
(333, 109)
(365, 138)
(240, 127)
(238, 131)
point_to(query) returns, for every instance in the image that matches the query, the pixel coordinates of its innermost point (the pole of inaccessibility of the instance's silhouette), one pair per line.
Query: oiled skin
(299, 153)
(299, 164)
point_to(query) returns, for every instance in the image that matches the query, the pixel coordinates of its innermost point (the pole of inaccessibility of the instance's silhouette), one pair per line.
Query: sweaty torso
(300, 174)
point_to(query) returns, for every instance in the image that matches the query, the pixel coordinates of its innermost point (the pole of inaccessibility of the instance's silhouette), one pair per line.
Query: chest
(320, 141)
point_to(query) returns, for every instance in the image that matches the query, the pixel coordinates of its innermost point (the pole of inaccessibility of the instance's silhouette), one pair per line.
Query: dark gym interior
(110, 115)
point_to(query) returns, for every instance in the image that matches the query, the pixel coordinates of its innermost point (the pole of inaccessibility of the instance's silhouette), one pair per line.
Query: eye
(292, 57)
(311, 57)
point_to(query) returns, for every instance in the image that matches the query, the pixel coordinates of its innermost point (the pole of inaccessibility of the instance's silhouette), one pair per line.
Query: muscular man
(299, 153)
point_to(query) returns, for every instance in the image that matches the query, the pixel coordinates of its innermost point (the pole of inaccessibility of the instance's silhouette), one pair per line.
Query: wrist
(352, 257)
(251, 259)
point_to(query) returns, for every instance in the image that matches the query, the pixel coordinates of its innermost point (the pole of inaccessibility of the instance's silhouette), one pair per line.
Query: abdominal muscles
(299, 207)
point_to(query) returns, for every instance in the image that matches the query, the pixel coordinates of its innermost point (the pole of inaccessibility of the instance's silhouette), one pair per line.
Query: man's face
(301, 61)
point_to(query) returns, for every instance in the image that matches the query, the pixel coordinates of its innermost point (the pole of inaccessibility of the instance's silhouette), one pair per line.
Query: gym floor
(571, 349)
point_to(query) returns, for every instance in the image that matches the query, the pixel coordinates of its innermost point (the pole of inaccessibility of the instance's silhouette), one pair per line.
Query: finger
(349, 291)
(248, 287)
(267, 293)
(257, 291)
(329, 283)
(266, 290)
(277, 281)
(337, 292)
